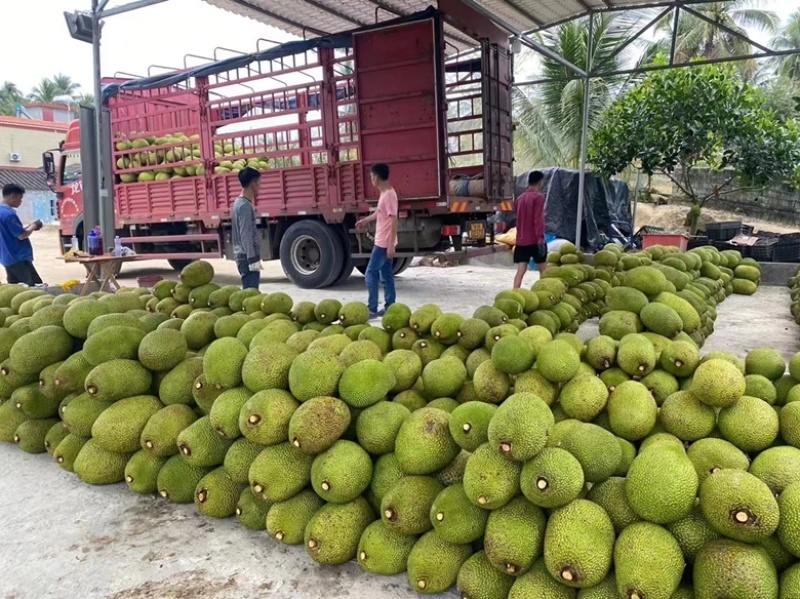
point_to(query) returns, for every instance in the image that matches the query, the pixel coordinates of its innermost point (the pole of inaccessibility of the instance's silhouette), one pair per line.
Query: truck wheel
(312, 254)
(179, 265)
(400, 265)
(347, 264)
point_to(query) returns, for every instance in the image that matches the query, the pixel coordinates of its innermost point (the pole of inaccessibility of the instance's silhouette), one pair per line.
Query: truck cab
(63, 172)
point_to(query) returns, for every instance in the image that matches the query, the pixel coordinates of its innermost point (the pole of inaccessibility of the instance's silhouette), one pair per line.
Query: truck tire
(399, 266)
(347, 265)
(312, 254)
(179, 265)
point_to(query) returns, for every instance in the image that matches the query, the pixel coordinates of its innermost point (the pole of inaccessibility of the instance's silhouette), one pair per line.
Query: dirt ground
(672, 217)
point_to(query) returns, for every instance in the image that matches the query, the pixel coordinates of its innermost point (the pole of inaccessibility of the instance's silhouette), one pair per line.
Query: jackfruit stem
(569, 574)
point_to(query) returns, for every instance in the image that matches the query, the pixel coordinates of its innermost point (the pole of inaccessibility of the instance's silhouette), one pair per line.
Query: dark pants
(379, 270)
(23, 272)
(250, 279)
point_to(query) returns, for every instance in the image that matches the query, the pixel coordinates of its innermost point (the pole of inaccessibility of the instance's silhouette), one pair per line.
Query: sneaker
(381, 312)
(375, 315)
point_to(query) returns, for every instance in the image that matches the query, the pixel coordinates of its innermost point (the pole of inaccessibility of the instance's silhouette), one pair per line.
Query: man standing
(380, 264)
(530, 228)
(246, 241)
(16, 251)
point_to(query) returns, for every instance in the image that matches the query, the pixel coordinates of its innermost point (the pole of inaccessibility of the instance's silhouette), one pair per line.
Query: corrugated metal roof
(318, 17)
(31, 180)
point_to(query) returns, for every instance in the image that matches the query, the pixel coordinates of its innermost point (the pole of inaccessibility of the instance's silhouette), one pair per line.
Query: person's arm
(245, 226)
(361, 223)
(27, 232)
(20, 232)
(390, 251)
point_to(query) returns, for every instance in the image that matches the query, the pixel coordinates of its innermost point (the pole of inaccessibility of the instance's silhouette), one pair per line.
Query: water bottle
(117, 246)
(95, 247)
(74, 244)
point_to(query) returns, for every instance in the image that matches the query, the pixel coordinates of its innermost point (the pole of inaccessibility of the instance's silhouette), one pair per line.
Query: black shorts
(23, 272)
(523, 254)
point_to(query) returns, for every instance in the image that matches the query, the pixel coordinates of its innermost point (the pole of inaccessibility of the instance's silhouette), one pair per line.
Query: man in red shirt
(530, 228)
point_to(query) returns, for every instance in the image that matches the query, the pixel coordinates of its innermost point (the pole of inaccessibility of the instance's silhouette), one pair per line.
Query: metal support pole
(674, 43)
(102, 192)
(587, 90)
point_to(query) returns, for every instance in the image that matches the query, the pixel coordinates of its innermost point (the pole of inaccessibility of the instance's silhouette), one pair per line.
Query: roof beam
(381, 5)
(277, 17)
(726, 29)
(638, 35)
(335, 13)
(525, 13)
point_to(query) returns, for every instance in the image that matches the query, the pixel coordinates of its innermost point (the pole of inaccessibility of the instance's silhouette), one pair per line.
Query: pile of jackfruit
(794, 291)
(500, 454)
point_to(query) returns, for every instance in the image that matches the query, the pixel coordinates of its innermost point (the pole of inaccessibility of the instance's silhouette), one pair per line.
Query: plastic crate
(697, 241)
(761, 252)
(678, 240)
(786, 251)
(723, 231)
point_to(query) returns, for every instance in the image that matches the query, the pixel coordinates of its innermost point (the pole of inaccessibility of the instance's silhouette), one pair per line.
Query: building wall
(38, 205)
(30, 140)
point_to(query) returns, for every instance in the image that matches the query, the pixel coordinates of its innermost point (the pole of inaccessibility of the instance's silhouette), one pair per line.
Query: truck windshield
(71, 163)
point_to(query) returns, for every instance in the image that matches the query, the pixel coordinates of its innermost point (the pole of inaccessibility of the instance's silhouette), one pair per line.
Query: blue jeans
(379, 270)
(250, 279)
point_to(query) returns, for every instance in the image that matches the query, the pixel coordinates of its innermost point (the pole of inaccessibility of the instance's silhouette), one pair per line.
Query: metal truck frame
(313, 116)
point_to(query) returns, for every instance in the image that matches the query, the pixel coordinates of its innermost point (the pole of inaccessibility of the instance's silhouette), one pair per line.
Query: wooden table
(101, 269)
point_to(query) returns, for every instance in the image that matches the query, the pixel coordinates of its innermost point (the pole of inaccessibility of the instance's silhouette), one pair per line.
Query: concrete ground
(66, 540)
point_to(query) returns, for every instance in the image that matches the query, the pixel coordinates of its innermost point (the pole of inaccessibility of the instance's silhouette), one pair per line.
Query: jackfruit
(636, 355)
(32, 402)
(578, 544)
(68, 450)
(433, 563)
(601, 352)
(748, 572)
(444, 377)
(251, 511)
(711, 455)
(552, 479)
(198, 329)
(423, 318)
(766, 362)
(760, 387)
(200, 445)
(280, 472)
(341, 473)
(366, 383)
(317, 424)
(333, 533)
(114, 320)
(224, 413)
(491, 480)
(197, 273)
(491, 385)
(472, 332)
(632, 411)
(718, 383)
(216, 495)
(424, 444)
(680, 358)
(286, 521)
(520, 427)
(688, 314)
(661, 485)
(250, 329)
(428, 350)
(55, 435)
(160, 433)
(119, 428)
(610, 495)
(686, 417)
(37, 350)
(406, 367)
(359, 351)
(739, 506)
(80, 315)
(411, 399)
(477, 579)
(597, 450)
(382, 550)
(97, 466)
(626, 299)
(176, 385)
(584, 397)
(790, 583)
(751, 424)
(455, 519)
(377, 426)
(648, 562)
(315, 374)
(445, 328)
(327, 311)
(141, 472)
(30, 434)
(514, 536)
(117, 379)
(469, 424)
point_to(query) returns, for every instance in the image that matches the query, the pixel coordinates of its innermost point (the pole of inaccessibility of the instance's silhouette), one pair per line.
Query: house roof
(31, 179)
(20, 123)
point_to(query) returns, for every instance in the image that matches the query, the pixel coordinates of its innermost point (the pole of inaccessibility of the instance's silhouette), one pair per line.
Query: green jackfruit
(491, 480)
(197, 274)
(341, 473)
(30, 435)
(317, 424)
(96, 466)
(632, 411)
(648, 562)
(711, 455)
(287, 520)
(160, 434)
(661, 319)
(766, 362)
(751, 424)
(113, 343)
(55, 435)
(584, 397)
(176, 385)
(424, 444)
(617, 323)
(477, 579)
(472, 332)
(265, 417)
(739, 506)
(119, 428)
(688, 314)
(718, 383)
(315, 374)
(204, 394)
(683, 415)
(434, 564)
(366, 383)
(216, 495)
(32, 402)
(513, 355)
(333, 533)
(359, 351)
(444, 377)
(595, 448)
(661, 485)
(382, 550)
(515, 536)
(377, 426)
(141, 472)
(491, 385)
(538, 584)
(267, 367)
(627, 299)
(469, 424)
(423, 318)
(406, 506)
(198, 329)
(224, 414)
(692, 532)
(251, 511)
(37, 350)
(200, 445)
(280, 472)
(68, 450)
(749, 572)
(455, 518)
(552, 479)
(70, 376)
(558, 361)
(396, 317)
(80, 414)
(520, 427)
(118, 379)
(610, 495)
(80, 315)
(239, 458)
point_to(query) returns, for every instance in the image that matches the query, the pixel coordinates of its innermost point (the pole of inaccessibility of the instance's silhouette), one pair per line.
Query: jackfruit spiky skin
(444, 377)
(80, 315)
(411, 399)
(749, 572)
(359, 351)
(595, 448)
(37, 350)
(385, 473)
(618, 323)
(317, 424)
(406, 366)
(333, 533)
(718, 383)
(96, 466)
(239, 458)
(688, 314)
(197, 274)
(766, 362)
(286, 521)
(384, 551)
(648, 562)
(790, 583)
(424, 444)
(265, 417)
(552, 479)
(627, 299)
(204, 394)
(538, 584)
(366, 383)
(778, 467)
(520, 427)
(491, 480)
(661, 485)
(251, 510)
(632, 411)
(513, 355)
(32, 402)
(456, 519)
(315, 374)
(584, 397)
(198, 329)
(267, 367)
(216, 495)
(789, 526)
(224, 414)
(661, 319)
(491, 385)
(433, 563)
(30, 435)
(760, 387)
(118, 379)
(558, 361)
(739, 506)
(68, 450)
(578, 544)
(229, 326)
(341, 473)
(280, 472)
(406, 506)
(692, 532)
(377, 426)
(55, 435)
(223, 361)
(119, 428)
(469, 424)
(610, 495)
(751, 424)
(176, 385)
(445, 328)
(141, 472)
(396, 317)
(113, 343)
(686, 417)
(710, 455)
(200, 445)
(472, 332)
(479, 580)
(515, 536)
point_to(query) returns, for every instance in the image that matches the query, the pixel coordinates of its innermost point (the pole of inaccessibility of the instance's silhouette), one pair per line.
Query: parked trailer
(313, 116)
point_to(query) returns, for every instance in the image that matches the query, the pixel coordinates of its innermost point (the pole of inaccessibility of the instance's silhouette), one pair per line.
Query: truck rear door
(497, 124)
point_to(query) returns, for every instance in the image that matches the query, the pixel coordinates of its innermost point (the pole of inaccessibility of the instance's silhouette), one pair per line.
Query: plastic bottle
(94, 243)
(117, 246)
(74, 244)
(100, 247)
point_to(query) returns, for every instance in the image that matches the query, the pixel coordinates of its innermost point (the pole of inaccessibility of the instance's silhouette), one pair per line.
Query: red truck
(313, 116)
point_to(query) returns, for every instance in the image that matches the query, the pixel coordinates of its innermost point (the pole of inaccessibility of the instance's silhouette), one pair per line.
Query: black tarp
(604, 202)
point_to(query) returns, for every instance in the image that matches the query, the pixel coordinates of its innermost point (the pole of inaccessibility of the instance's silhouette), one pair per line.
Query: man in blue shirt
(16, 251)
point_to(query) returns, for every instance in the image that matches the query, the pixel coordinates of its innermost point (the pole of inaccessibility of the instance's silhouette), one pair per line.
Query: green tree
(789, 39)
(677, 120)
(10, 96)
(549, 115)
(50, 88)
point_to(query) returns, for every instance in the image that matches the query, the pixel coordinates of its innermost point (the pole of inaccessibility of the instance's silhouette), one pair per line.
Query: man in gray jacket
(246, 241)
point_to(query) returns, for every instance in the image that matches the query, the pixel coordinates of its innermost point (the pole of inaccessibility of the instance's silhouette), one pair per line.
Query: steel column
(587, 90)
(105, 212)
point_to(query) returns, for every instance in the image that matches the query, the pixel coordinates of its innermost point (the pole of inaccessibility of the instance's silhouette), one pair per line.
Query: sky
(35, 33)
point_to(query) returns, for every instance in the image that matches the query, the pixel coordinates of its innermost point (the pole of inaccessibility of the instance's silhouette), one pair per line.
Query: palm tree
(50, 88)
(549, 115)
(789, 39)
(65, 84)
(10, 96)
(697, 38)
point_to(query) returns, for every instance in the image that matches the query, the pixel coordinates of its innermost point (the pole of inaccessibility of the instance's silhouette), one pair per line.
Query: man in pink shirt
(530, 228)
(380, 267)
